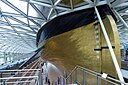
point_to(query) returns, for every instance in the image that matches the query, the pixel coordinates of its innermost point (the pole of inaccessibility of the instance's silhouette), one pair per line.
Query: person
(42, 64)
(58, 80)
(48, 81)
(42, 69)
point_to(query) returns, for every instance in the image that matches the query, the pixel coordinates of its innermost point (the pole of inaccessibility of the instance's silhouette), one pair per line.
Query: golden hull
(84, 46)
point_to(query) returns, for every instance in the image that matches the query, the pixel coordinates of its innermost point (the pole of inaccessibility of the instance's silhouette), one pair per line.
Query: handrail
(32, 73)
(29, 60)
(71, 72)
(13, 78)
(18, 82)
(108, 79)
(31, 67)
(19, 70)
(30, 78)
(26, 77)
(22, 70)
(32, 58)
(82, 69)
(29, 70)
(10, 73)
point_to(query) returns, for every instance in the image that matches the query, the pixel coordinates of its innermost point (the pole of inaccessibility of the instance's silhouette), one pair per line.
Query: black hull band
(71, 21)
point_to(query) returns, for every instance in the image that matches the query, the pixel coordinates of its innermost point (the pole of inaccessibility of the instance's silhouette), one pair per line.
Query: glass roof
(20, 20)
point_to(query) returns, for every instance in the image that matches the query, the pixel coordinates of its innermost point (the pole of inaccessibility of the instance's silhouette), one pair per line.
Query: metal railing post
(70, 78)
(66, 81)
(84, 76)
(1, 77)
(37, 81)
(98, 80)
(40, 77)
(3, 82)
(110, 47)
(76, 76)
(18, 76)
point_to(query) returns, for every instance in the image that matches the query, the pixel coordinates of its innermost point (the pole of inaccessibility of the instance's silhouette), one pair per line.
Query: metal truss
(20, 24)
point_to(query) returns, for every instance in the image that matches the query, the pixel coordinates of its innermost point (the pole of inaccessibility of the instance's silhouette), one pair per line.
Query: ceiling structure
(20, 20)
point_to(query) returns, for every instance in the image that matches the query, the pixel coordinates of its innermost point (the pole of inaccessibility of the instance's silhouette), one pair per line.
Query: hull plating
(84, 46)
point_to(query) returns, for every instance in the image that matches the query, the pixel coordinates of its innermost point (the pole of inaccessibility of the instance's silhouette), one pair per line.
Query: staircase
(31, 75)
(82, 76)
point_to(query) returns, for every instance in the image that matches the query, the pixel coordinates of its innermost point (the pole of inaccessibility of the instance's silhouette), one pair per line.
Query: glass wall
(11, 57)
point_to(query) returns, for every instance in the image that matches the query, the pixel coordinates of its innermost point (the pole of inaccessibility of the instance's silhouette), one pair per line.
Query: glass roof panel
(5, 8)
(21, 19)
(20, 5)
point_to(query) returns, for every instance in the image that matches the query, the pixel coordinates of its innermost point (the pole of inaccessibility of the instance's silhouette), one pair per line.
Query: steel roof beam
(89, 1)
(12, 42)
(122, 5)
(19, 26)
(53, 6)
(122, 20)
(46, 4)
(17, 33)
(3, 23)
(19, 21)
(15, 36)
(11, 31)
(38, 11)
(6, 30)
(71, 4)
(19, 11)
(21, 16)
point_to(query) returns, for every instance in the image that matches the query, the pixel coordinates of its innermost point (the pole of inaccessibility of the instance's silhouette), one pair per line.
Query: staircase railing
(21, 80)
(33, 79)
(82, 76)
(32, 58)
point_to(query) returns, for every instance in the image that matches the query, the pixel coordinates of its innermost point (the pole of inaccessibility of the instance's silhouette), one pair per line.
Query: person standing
(58, 80)
(48, 81)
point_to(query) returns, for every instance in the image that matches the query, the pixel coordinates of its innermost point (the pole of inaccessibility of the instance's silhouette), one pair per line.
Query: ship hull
(84, 46)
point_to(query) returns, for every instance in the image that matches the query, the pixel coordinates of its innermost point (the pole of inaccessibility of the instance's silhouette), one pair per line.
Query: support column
(122, 20)
(110, 47)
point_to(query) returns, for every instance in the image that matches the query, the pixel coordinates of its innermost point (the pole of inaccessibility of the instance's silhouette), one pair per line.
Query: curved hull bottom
(84, 46)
